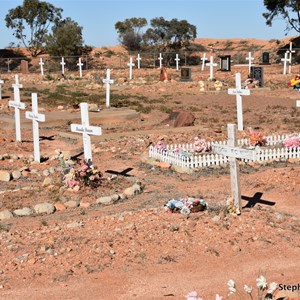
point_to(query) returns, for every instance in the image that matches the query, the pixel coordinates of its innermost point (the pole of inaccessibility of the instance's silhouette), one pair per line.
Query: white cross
(204, 59)
(298, 103)
(211, 65)
(36, 118)
(250, 58)
(139, 61)
(86, 130)
(285, 60)
(177, 59)
(42, 68)
(160, 58)
(80, 64)
(17, 104)
(290, 56)
(1, 82)
(233, 152)
(62, 65)
(238, 91)
(108, 82)
(130, 64)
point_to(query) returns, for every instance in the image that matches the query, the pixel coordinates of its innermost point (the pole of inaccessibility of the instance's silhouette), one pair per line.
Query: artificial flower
(231, 286)
(193, 296)
(218, 297)
(272, 287)
(247, 289)
(261, 282)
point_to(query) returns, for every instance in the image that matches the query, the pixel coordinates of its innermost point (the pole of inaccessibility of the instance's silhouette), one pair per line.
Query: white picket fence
(188, 159)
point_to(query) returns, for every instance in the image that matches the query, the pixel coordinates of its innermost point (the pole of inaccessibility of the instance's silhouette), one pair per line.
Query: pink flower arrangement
(292, 142)
(200, 145)
(85, 175)
(160, 145)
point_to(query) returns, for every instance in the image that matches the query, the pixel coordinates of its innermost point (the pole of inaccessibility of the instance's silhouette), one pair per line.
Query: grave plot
(201, 154)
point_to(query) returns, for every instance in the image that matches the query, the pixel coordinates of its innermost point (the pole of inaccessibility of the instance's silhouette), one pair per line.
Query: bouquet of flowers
(292, 142)
(84, 175)
(257, 139)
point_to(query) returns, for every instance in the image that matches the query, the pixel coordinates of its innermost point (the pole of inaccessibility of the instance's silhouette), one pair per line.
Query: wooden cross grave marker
(17, 104)
(1, 82)
(108, 82)
(130, 64)
(238, 91)
(211, 65)
(204, 59)
(86, 130)
(80, 64)
(285, 60)
(233, 152)
(62, 65)
(41, 63)
(177, 59)
(138, 61)
(249, 58)
(36, 118)
(160, 58)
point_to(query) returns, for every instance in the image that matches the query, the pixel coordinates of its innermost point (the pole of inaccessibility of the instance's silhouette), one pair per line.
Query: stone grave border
(273, 150)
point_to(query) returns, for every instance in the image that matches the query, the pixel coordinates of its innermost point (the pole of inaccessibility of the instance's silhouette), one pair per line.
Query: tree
(170, 34)
(129, 31)
(287, 9)
(35, 16)
(66, 39)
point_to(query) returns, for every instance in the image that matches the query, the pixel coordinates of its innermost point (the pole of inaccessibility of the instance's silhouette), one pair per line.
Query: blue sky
(213, 18)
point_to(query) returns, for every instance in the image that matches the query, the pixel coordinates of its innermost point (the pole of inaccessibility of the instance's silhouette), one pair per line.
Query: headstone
(225, 63)
(204, 59)
(36, 118)
(233, 152)
(41, 63)
(17, 104)
(249, 58)
(177, 59)
(138, 61)
(86, 130)
(24, 66)
(130, 64)
(160, 58)
(186, 74)
(1, 82)
(290, 56)
(265, 58)
(80, 64)
(285, 61)
(108, 82)
(211, 65)
(258, 74)
(238, 91)
(164, 74)
(62, 65)
(298, 103)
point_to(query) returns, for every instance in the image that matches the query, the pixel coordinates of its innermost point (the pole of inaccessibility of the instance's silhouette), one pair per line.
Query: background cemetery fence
(273, 150)
(101, 60)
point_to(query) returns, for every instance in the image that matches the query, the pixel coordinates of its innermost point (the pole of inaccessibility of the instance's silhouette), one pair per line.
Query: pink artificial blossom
(193, 296)
(293, 142)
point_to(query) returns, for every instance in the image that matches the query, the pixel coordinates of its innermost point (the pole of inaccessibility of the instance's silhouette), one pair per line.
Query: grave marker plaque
(186, 74)
(265, 58)
(24, 66)
(258, 74)
(225, 63)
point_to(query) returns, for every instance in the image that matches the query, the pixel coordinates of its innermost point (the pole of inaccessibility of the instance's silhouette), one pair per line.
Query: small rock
(59, 206)
(75, 224)
(47, 181)
(104, 200)
(133, 190)
(16, 174)
(85, 204)
(6, 214)
(46, 172)
(5, 175)
(216, 218)
(71, 204)
(44, 208)
(25, 211)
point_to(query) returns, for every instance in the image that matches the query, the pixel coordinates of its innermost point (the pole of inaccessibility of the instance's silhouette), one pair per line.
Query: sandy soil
(134, 249)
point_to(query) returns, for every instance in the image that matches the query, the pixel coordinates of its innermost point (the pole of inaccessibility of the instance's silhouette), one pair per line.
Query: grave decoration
(211, 66)
(80, 64)
(257, 73)
(186, 74)
(130, 65)
(185, 206)
(295, 82)
(190, 156)
(139, 61)
(164, 76)
(177, 59)
(225, 62)
(1, 82)
(108, 82)
(251, 83)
